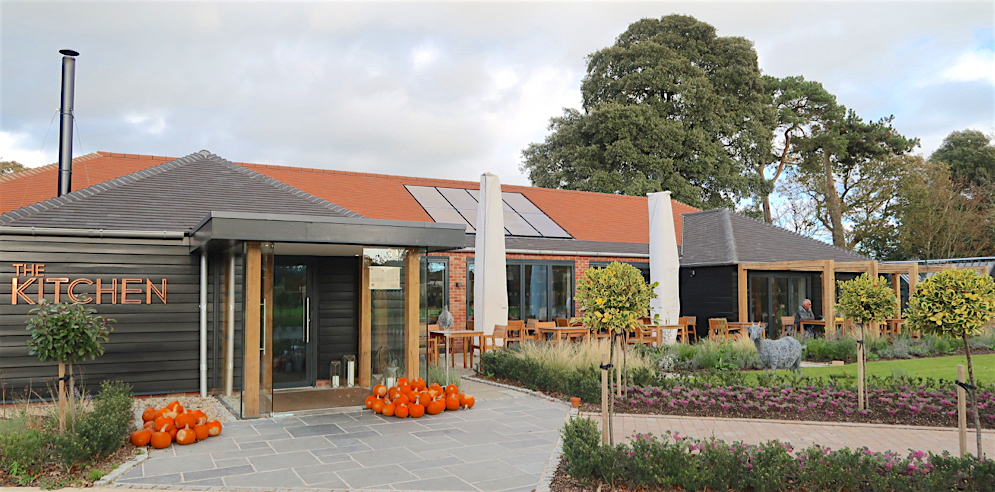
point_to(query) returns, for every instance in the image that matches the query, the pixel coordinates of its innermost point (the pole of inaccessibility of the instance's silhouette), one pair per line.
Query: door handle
(307, 318)
(262, 333)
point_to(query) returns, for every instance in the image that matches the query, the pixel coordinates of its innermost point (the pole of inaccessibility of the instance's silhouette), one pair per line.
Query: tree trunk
(974, 398)
(611, 394)
(62, 397)
(861, 397)
(71, 397)
(833, 204)
(767, 215)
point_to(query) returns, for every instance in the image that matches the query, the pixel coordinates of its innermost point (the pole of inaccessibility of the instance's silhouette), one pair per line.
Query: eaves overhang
(224, 227)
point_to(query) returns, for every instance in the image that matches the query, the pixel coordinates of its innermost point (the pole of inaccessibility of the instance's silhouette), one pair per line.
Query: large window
(536, 289)
(774, 295)
(434, 288)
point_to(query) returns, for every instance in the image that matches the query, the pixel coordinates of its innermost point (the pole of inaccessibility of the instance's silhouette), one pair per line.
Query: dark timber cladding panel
(153, 346)
(338, 310)
(709, 292)
(216, 265)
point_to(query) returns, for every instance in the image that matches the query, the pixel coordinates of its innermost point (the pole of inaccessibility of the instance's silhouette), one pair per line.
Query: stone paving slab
(801, 433)
(474, 450)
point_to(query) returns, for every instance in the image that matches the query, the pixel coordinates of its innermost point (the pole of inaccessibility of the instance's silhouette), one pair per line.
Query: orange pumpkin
(186, 436)
(201, 431)
(158, 413)
(452, 403)
(148, 415)
(369, 401)
(416, 410)
(172, 430)
(141, 438)
(393, 392)
(436, 407)
(452, 389)
(404, 388)
(467, 401)
(214, 428)
(418, 384)
(175, 406)
(435, 386)
(388, 410)
(379, 391)
(162, 422)
(403, 382)
(160, 440)
(424, 399)
(201, 417)
(401, 411)
(148, 425)
(186, 420)
(378, 406)
(402, 399)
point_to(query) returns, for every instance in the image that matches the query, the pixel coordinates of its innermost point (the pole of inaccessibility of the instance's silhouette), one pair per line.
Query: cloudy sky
(446, 90)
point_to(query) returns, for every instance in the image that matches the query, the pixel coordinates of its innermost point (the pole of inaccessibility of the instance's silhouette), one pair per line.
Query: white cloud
(423, 55)
(151, 124)
(17, 147)
(972, 66)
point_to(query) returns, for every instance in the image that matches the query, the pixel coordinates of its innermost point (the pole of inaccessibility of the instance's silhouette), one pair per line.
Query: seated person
(805, 313)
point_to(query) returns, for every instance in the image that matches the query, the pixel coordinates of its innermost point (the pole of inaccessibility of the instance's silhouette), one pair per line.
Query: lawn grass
(932, 367)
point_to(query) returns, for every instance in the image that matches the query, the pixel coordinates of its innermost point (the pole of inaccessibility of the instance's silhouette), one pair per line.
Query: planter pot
(575, 401)
(668, 336)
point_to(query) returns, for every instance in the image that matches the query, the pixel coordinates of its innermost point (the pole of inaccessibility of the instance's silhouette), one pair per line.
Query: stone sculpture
(785, 353)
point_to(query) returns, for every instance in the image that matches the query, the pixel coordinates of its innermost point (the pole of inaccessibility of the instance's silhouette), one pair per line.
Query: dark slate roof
(174, 196)
(568, 246)
(723, 237)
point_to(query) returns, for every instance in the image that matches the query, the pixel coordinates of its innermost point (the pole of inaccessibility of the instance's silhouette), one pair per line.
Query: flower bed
(923, 405)
(691, 464)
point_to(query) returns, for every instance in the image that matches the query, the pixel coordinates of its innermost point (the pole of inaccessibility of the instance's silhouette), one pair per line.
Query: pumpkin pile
(173, 423)
(414, 399)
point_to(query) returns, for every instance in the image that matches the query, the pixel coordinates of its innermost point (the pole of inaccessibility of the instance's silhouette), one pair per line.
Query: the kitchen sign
(31, 285)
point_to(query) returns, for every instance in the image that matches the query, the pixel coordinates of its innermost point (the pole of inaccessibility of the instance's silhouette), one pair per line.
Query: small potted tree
(66, 332)
(956, 303)
(613, 299)
(865, 299)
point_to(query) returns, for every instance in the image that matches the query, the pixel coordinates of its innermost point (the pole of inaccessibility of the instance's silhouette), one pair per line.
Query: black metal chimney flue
(66, 121)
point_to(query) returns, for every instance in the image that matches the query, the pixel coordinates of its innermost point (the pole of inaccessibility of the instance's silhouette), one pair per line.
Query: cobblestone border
(121, 470)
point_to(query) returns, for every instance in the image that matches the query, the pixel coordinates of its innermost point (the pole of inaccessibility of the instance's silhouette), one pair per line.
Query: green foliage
(970, 155)
(669, 106)
(954, 302)
(102, 431)
(24, 452)
(66, 332)
(866, 299)
(10, 167)
(692, 464)
(614, 298)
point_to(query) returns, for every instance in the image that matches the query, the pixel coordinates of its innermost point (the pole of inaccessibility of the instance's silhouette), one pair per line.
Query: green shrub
(821, 349)
(690, 464)
(24, 452)
(101, 431)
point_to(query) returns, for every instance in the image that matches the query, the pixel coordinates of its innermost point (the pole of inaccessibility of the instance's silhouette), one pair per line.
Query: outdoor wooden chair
(530, 330)
(718, 329)
(788, 326)
(515, 331)
(490, 341)
(543, 324)
(688, 328)
(562, 322)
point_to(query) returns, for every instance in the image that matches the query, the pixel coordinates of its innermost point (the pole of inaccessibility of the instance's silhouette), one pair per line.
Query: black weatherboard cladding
(338, 310)
(154, 347)
(709, 292)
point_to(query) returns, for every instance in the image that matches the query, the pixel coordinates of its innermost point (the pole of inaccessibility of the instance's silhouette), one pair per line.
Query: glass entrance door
(292, 358)
(773, 296)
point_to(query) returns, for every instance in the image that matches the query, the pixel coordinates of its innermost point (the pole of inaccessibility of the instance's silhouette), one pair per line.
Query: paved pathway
(503, 443)
(802, 433)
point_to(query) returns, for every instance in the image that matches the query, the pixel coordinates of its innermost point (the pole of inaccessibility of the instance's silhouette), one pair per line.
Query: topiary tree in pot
(66, 332)
(613, 299)
(865, 299)
(957, 303)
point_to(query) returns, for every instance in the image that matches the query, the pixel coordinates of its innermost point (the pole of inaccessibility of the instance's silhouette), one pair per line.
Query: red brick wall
(457, 274)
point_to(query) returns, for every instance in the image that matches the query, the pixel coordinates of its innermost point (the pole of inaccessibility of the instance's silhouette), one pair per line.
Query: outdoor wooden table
(563, 333)
(464, 334)
(821, 323)
(894, 326)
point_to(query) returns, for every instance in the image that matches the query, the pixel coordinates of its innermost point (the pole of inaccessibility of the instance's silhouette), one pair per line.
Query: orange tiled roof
(586, 216)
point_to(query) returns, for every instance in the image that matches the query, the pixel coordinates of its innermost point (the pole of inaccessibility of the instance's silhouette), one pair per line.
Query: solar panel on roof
(459, 205)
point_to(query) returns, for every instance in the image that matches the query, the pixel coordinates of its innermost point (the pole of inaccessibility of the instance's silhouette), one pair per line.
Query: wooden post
(412, 312)
(365, 359)
(744, 302)
(251, 321)
(62, 396)
(861, 403)
(604, 399)
(267, 359)
(961, 413)
(829, 294)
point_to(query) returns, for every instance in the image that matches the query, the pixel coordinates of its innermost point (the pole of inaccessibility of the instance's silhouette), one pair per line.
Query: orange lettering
(125, 290)
(112, 291)
(57, 282)
(150, 288)
(18, 291)
(17, 268)
(72, 295)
